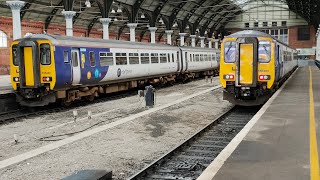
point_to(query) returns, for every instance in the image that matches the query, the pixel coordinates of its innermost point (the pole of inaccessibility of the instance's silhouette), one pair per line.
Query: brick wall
(295, 43)
(28, 26)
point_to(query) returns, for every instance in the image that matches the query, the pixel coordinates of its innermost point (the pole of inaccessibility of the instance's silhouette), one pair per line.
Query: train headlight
(264, 77)
(47, 79)
(228, 76)
(16, 79)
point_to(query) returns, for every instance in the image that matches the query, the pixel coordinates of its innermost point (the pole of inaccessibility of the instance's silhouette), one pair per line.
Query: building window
(274, 23)
(283, 23)
(283, 37)
(256, 24)
(3, 39)
(246, 25)
(265, 24)
(303, 33)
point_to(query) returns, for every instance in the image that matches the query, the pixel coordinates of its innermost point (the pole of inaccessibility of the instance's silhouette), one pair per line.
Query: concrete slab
(277, 147)
(5, 84)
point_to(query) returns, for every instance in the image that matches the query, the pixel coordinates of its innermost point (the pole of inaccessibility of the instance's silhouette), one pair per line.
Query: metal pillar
(105, 27)
(182, 35)
(210, 42)
(193, 40)
(169, 33)
(132, 27)
(16, 21)
(202, 41)
(69, 16)
(153, 34)
(216, 43)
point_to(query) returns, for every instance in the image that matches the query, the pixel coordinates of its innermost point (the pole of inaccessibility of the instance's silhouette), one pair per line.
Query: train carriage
(49, 68)
(252, 66)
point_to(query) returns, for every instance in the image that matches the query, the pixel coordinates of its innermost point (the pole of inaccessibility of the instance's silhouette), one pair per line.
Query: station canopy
(190, 16)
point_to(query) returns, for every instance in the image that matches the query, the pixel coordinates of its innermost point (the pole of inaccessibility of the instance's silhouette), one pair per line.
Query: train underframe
(252, 96)
(247, 96)
(33, 97)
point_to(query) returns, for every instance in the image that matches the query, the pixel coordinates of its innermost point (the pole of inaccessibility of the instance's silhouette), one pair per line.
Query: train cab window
(229, 51)
(106, 59)
(163, 58)
(14, 55)
(154, 58)
(92, 59)
(45, 54)
(264, 51)
(65, 56)
(121, 58)
(133, 58)
(145, 58)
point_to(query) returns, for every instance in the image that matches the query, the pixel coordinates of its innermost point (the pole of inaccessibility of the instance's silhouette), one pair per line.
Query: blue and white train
(50, 68)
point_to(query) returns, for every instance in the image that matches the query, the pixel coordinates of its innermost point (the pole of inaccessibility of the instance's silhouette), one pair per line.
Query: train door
(247, 62)
(277, 62)
(75, 62)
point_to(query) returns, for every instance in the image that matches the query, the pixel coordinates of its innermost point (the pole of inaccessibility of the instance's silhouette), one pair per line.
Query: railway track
(15, 115)
(189, 159)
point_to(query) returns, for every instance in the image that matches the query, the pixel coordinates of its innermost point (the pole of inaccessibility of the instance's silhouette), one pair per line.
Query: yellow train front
(252, 66)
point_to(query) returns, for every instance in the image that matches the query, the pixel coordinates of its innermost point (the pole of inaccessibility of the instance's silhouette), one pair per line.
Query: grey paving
(277, 147)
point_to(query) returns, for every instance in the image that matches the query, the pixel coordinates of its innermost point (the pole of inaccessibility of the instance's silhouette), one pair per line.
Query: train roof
(95, 42)
(252, 33)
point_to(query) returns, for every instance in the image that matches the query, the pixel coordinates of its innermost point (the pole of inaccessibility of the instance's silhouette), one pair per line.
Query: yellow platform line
(314, 160)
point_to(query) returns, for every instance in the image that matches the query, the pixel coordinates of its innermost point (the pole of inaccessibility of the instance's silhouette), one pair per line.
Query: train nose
(29, 64)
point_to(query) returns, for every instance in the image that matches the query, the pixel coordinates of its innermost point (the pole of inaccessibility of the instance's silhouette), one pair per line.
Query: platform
(277, 146)
(5, 84)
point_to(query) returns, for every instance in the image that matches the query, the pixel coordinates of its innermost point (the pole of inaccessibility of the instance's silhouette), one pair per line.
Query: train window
(172, 60)
(190, 58)
(178, 55)
(229, 51)
(45, 54)
(201, 57)
(106, 59)
(92, 59)
(14, 55)
(169, 58)
(145, 58)
(264, 51)
(121, 58)
(133, 58)
(65, 56)
(197, 57)
(163, 58)
(74, 57)
(154, 58)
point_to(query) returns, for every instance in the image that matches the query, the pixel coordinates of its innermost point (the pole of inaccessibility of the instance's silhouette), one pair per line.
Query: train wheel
(90, 98)
(65, 103)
